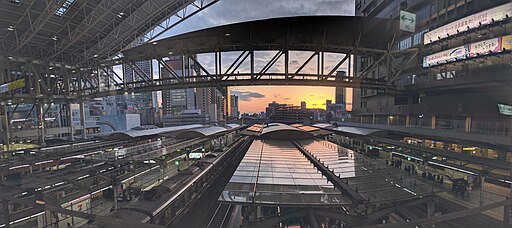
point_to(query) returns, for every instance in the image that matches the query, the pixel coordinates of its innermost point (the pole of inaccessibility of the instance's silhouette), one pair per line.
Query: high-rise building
(177, 100)
(138, 103)
(303, 105)
(340, 91)
(234, 107)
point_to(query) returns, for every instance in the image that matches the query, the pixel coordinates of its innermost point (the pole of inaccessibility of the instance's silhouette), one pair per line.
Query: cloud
(246, 95)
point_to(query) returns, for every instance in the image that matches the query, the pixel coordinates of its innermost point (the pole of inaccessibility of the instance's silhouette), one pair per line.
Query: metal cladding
(305, 33)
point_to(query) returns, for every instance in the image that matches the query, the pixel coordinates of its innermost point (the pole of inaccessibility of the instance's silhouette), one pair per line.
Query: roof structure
(201, 132)
(74, 32)
(275, 172)
(126, 135)
(302, 34)
(284, 131)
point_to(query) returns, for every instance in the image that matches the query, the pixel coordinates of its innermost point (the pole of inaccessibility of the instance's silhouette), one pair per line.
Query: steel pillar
(82, 120)
(7, 214)
(69, 115)
(506, 215)
(40, 118)
(5, 127)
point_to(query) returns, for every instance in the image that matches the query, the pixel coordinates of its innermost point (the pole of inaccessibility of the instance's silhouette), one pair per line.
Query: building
(235, 113)
(302, 105)
(340, 92)
(120, 122)
(177, 100)
(450, 85)
(186, 117)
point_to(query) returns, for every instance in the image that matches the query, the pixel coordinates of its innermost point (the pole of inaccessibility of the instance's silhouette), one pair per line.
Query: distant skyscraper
(176, 100)
(302, 105)
(138, 103)
(340, 91)
(234, 107)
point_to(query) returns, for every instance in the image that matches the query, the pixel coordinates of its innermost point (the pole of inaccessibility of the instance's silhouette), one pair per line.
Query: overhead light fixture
(227, 34)
(154, 43)
(120, 14)
(10, 57)
(95, 56)
(54, 38)
(51, 68)
(170, 53)
(10, 28)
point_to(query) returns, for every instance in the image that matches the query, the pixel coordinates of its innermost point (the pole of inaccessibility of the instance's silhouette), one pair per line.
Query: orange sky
(314, 96)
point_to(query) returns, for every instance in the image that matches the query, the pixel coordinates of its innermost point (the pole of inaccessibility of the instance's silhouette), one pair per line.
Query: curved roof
(232, 125)
(304, 33)
(283, 131)
(125, 135)
(200, 132)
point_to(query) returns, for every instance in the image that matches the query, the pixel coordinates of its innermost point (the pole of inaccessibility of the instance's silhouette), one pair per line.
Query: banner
(485, 47)
(4, 88)
(473, 21)
(506, 42)
(445, 56)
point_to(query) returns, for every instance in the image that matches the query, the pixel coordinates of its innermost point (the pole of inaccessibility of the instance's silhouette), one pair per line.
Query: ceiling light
(10, 57)
(51, 68)
(54, 38)
(154, 43)
(170, 53)
(227, 34)
(95, 56)
(120, 14)
(10, 28)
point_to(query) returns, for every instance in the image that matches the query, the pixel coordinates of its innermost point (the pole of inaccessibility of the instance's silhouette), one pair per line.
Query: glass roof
(276, 172)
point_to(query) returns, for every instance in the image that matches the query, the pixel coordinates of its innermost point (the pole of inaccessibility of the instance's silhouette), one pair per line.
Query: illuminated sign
(4, 88)
(506, 42)
(473, 21)
(445, 56)
(485, 47)
(196, 155)
(505, 109)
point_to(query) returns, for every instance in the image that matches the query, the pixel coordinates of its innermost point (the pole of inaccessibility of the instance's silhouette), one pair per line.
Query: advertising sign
(407, 21)
(4, 88)
(485, 47)
(472, 21)
(506, 42)
(445, 56)
(505, 109)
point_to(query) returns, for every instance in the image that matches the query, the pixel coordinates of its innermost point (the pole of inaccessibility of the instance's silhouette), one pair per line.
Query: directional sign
(505, 109)
(407, 21)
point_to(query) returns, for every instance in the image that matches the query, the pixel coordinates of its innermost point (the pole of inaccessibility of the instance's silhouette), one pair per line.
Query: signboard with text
(505, 109)
(407, 21)
(445, 56)
(473, 21)
(485, 47)
(506, 42)
(4, 88)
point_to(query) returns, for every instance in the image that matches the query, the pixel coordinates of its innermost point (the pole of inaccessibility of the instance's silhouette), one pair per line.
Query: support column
(69, 116)
(407, 121)
(373, 119)
(467, 127)
(5, 127)
(7, 214)
(430, 211)
(482, 187)
(115, 186)
(433, 122)
(82, 120)
(506, 216)
(40, 116)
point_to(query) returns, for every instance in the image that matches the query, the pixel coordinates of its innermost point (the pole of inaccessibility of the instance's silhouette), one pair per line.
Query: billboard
(446, 56)
(473, 21)
(506, 42)
(485, 47)
(4, 88)
(505, 109)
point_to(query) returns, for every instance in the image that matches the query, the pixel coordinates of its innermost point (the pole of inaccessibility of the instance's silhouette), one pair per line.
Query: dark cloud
(246, 95)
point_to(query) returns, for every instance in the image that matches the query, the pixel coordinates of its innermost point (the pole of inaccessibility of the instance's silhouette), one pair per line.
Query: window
(405, 43)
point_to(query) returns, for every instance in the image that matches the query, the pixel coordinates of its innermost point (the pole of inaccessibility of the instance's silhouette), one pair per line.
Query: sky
(254, 99)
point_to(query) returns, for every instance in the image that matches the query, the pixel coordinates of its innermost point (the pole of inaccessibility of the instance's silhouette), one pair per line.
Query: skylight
(64, 8)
